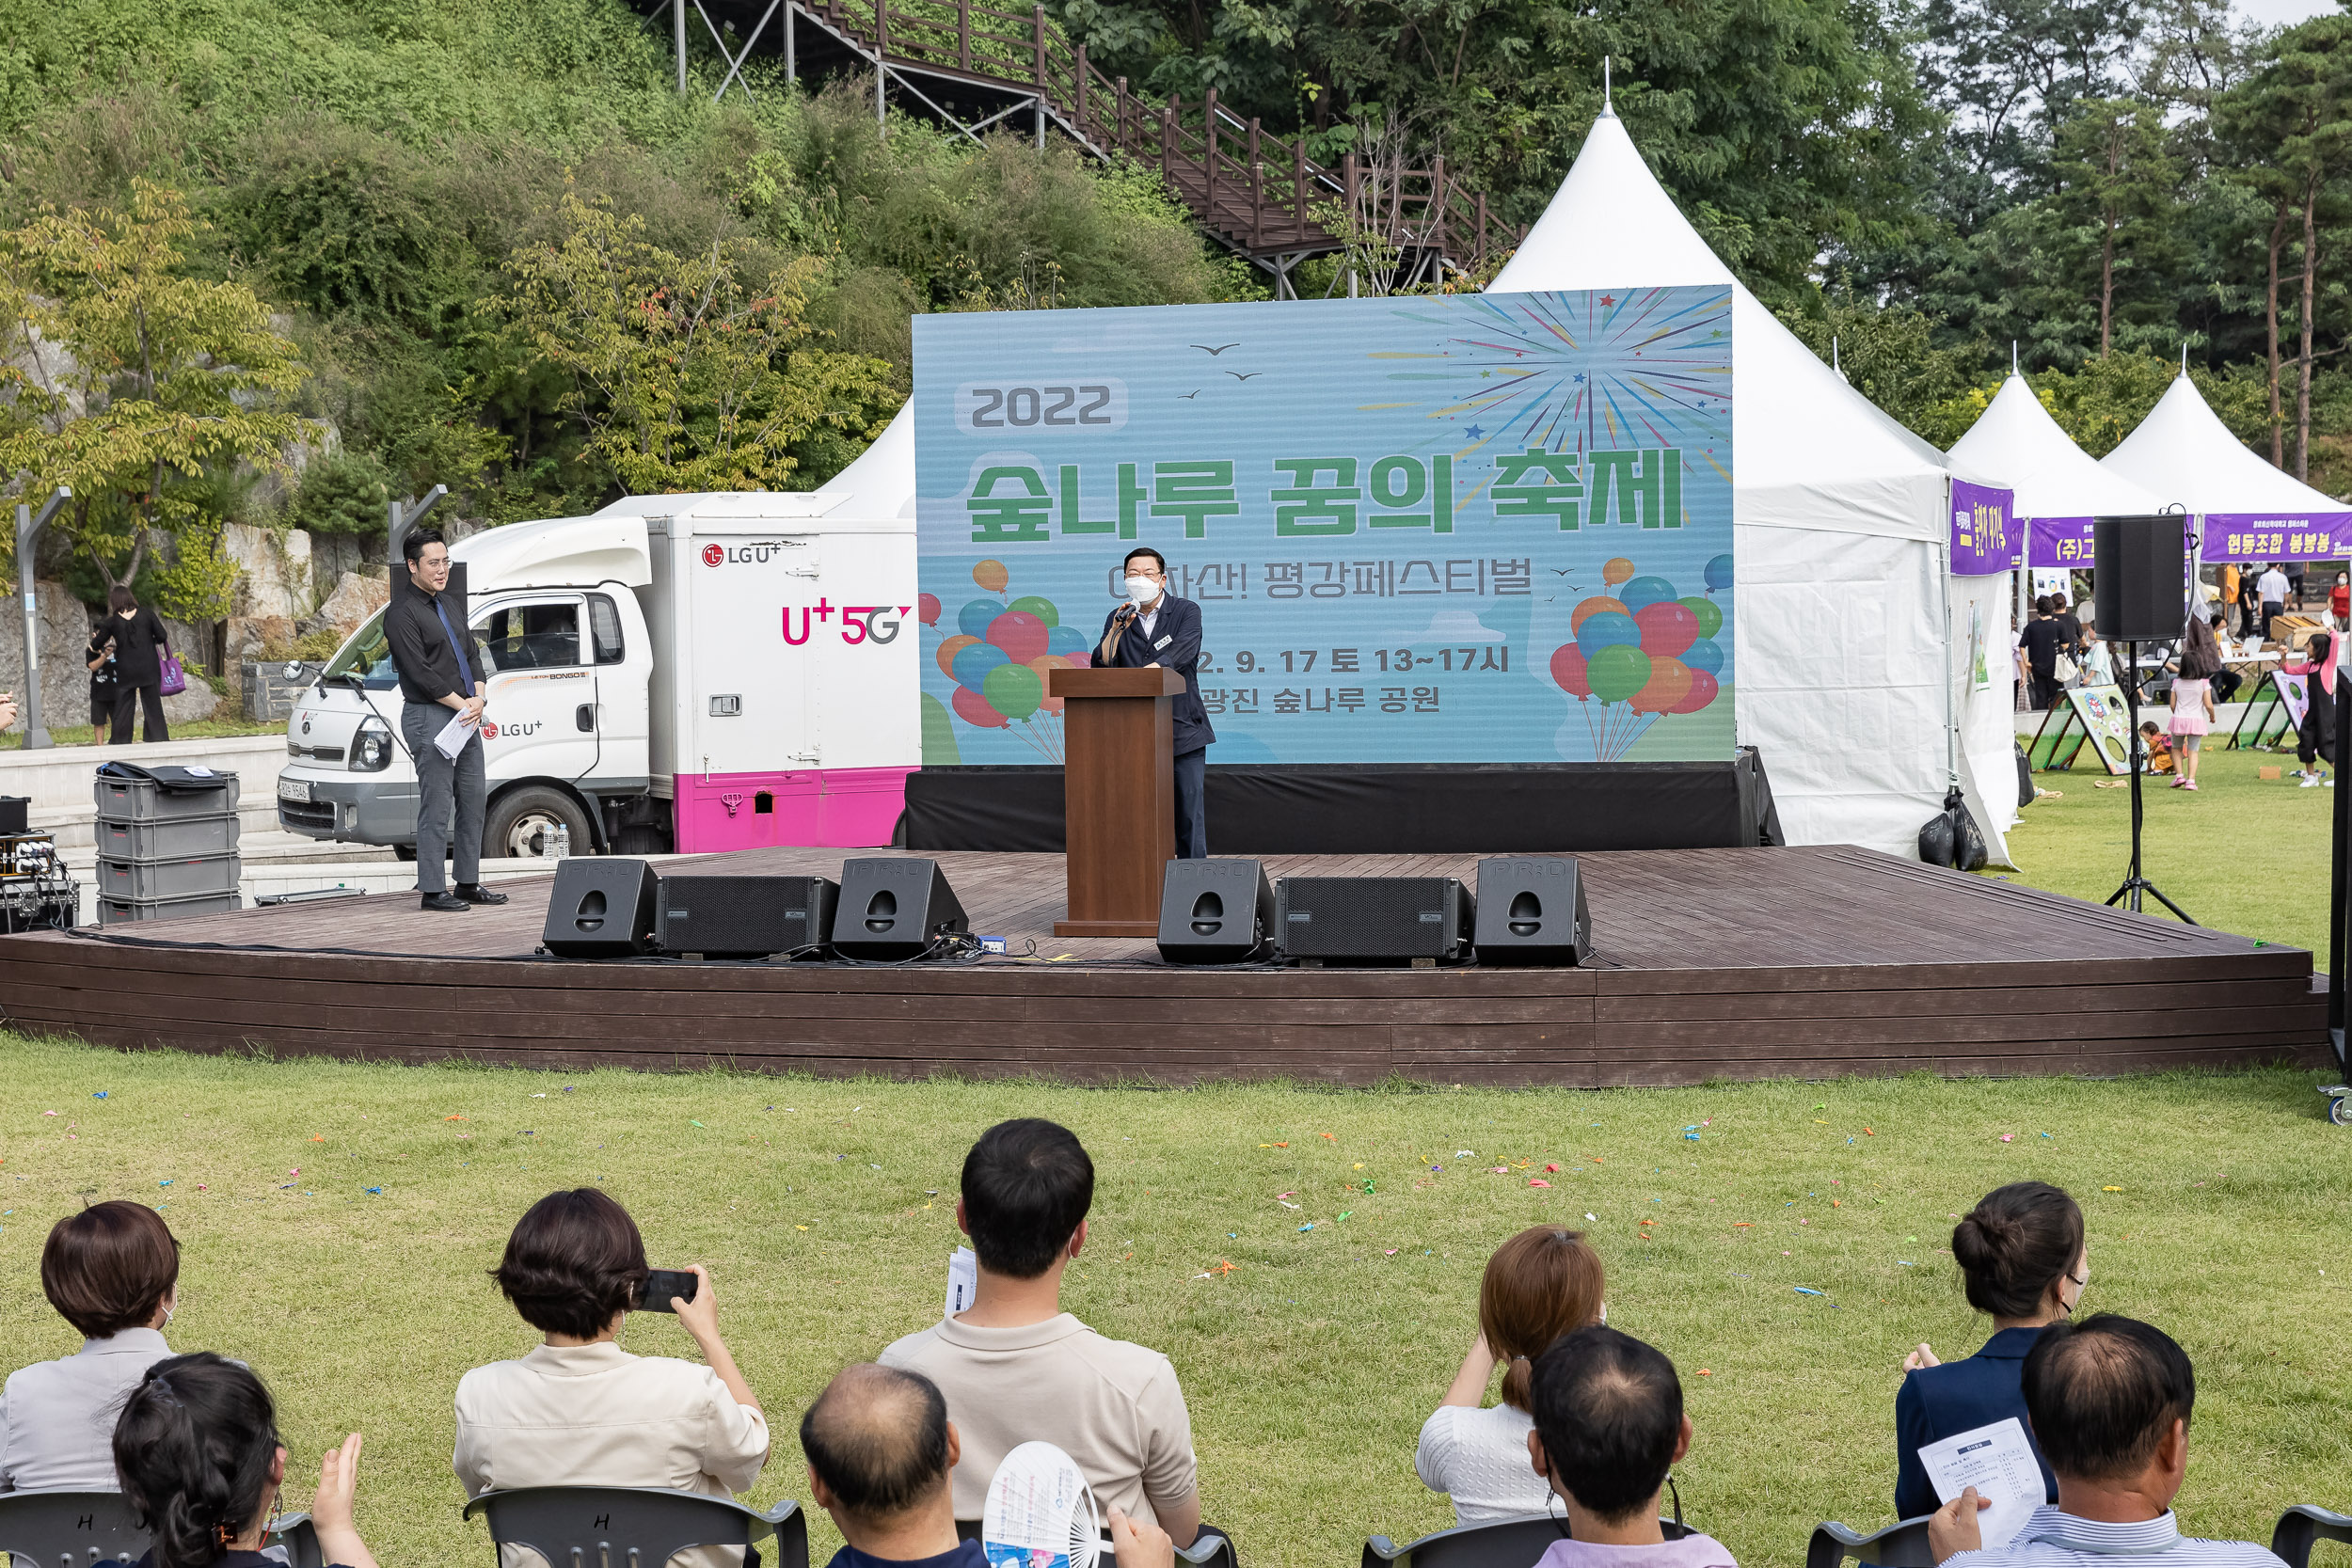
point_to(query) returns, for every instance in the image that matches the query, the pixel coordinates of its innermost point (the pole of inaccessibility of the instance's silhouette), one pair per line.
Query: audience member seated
(1540, 1284)
(2022, 1257)
(580, 1411)
(1609, 1426)
(113, 1272)
(201, 1467)
(1014, 1366)
(879, 1450)
(2110, 1399)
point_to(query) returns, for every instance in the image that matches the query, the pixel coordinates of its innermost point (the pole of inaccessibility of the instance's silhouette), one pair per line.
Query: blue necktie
(464, 671)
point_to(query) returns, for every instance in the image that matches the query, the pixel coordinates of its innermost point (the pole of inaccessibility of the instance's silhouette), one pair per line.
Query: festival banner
(1984, 540)
(2058, 542)
(2265, 536)
(1476, 528)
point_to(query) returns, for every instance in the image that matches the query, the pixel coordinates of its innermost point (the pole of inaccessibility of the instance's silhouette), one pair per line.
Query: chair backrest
(295, 1535)
(1902, 1546)
(1505, 1544)
(70, 1529)
(634, 1526)
(2302, 1526)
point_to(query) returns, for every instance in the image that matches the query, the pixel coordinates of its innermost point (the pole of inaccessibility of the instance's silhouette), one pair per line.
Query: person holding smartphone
(578, 1410)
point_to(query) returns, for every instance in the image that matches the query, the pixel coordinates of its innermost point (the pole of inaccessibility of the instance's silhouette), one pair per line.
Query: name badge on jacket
(1162, 643)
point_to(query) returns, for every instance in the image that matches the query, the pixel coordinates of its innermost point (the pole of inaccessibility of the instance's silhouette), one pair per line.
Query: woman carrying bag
(142, 649)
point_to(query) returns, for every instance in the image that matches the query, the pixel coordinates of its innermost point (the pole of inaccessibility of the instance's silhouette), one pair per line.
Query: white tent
(2050, 475)
(882, 477)
(2185, 456)
(1846, 678)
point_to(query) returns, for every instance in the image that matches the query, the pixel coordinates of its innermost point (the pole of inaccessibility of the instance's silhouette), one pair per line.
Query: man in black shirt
(441, 674)
(2041, 639)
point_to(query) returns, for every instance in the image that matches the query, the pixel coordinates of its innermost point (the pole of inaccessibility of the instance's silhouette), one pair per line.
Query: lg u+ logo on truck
(740, 555)
(860, 623)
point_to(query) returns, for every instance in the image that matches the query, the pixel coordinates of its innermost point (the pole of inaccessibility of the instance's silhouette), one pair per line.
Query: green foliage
(1889, 357)
(343, 492)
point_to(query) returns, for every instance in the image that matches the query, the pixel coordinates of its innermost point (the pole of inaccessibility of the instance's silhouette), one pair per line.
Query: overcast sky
(2275, 11)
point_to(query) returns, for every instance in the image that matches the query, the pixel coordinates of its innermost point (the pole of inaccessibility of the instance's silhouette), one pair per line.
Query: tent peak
(1608, 104)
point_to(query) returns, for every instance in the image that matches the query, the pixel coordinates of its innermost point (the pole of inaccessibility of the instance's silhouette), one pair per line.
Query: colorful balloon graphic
(1669, 681)
(1667, 629)
(1013, 690)
(1704, 656)
(1567, 667)
(948, 651)
(1719, 573)
(992, 576)
(1618, 671)
(1614, 572)
(974, 619)
(1022, 635)
(1710, 615)
(1591, 606)
(1641, 593)
(1039, 606)
(1607, 628)
(1067, 639)
(1042, 664)
(971, 666)
(1703, 689)
(927, 607)
(972, 709)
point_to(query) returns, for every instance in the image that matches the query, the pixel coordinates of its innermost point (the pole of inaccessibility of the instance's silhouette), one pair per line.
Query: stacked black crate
(166, 849)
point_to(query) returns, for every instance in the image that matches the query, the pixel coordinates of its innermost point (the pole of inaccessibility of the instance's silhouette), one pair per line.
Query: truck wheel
(523, 826)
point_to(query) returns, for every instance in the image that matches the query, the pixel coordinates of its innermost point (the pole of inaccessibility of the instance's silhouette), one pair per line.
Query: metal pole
(29, 529)
(792, 60)
(677, 39)
(404, 518)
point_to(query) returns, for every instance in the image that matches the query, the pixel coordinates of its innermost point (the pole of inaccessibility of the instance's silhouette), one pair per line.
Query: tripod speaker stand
(2140, 592)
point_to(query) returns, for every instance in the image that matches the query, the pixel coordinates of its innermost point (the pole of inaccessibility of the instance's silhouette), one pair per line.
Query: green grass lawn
(2218, 1207)
(203, 729)
(2242, 853)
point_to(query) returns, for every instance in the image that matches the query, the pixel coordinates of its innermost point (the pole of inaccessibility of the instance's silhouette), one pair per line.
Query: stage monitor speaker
(2140, 577)
(1215, 913)
(1372, 920)
(602, 908)
(1531, 910)
(744, 917)
(893, 909)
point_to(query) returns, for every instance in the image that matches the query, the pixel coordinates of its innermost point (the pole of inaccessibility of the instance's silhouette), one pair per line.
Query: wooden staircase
(1254, 192)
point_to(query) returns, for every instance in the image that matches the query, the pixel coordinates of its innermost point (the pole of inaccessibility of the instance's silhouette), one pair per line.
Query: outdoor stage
(1731, 963)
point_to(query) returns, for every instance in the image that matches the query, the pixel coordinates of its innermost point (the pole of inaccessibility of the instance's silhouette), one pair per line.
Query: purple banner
(2267, 536)
(1984, 535)
(2057, 542)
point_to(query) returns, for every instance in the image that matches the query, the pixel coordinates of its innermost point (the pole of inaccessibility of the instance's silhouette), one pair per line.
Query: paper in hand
(963, 1279)
(1998, 1461)
(454, 736)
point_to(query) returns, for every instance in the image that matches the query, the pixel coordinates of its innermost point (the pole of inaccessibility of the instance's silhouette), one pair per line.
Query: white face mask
(1143, 590)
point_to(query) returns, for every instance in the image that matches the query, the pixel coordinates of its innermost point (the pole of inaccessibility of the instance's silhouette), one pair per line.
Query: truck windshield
(368, 656)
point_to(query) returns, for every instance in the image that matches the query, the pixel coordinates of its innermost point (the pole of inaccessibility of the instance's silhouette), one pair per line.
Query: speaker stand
(2135, 885)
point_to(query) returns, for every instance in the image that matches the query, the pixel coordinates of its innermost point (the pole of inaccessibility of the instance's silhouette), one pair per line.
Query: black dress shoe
(441, 901)
(474, 892)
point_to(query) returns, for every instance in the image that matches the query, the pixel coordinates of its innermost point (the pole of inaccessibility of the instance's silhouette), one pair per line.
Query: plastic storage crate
(145, 881)
(116, 911)
(174, 838)
(144, 801)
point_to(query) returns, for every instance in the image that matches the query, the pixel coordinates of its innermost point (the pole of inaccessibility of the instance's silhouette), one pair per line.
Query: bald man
(879, 1446)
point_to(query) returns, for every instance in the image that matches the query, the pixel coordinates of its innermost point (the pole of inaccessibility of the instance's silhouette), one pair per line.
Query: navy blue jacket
(1174, 644)
(1936, 1403)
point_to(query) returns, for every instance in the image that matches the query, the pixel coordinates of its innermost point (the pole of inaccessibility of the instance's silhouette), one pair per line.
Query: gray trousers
(443, 786)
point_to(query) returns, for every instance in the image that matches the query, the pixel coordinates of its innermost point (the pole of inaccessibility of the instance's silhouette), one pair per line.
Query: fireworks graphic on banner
(1625, 370)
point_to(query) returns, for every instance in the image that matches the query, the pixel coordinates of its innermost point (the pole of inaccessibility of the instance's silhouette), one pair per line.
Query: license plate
(294, 789)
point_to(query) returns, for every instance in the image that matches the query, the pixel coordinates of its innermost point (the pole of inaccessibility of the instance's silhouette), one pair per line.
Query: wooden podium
(1118, 791)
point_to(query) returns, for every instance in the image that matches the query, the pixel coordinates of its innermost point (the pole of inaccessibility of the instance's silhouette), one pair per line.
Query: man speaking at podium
(1156, 630)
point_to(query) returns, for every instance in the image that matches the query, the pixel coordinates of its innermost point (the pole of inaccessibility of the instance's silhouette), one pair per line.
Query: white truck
(694, 673)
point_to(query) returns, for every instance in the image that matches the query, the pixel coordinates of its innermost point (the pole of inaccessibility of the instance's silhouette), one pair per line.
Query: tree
(162, 377)
(2116, 182)
(686, 373)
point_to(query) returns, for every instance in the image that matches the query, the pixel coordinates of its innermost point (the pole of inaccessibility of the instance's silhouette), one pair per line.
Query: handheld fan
(1041, 1514)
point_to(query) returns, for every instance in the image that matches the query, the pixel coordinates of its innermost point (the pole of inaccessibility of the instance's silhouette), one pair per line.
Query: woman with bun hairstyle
(197, 1452)
(1540, 1284)
(2023, 1258)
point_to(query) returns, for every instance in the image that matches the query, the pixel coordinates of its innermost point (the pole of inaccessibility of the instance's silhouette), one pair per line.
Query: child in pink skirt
(2193, 711)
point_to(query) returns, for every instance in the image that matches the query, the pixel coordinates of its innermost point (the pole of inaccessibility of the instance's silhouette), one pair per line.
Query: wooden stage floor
(1731, 963)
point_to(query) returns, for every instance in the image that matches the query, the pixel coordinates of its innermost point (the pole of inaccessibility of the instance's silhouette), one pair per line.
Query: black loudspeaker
(1215, 913)
(1531, 910)
(893, 909)
(2140, 577)
(1372, 920)
(601, 909)
(744, 917)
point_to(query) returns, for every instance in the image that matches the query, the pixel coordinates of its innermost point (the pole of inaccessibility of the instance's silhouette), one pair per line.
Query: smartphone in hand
(662, 1284)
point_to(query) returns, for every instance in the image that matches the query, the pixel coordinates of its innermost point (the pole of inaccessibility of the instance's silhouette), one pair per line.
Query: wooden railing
(1255, 190)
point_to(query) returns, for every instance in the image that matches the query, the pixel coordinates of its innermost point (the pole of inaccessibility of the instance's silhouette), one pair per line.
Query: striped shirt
(2055, 1539)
